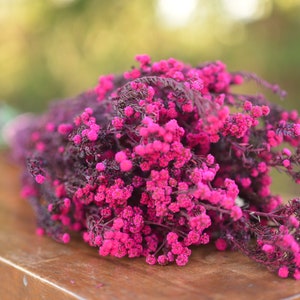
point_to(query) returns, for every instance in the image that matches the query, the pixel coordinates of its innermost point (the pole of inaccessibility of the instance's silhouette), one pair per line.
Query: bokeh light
(247, 10)
(175, 13)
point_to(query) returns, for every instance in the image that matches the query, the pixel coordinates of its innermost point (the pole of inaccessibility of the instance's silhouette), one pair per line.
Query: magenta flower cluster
(163, 158)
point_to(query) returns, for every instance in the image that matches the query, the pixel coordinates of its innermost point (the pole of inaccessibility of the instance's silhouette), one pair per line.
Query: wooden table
(33, 267)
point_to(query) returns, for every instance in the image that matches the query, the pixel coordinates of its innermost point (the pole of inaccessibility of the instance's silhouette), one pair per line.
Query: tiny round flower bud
(126, 165)
(283, 272)
(40, 178)
(120, 156)
(66, 238)
(221, 244)
(100, 167)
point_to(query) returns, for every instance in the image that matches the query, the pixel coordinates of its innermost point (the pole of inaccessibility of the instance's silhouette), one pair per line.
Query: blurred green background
(51, 49)
(58, 48)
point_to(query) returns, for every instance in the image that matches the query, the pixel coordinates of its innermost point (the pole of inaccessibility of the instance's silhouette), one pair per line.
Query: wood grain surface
(33, 267)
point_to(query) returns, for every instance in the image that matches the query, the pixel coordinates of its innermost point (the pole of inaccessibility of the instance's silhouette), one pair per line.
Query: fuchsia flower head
(164, 157)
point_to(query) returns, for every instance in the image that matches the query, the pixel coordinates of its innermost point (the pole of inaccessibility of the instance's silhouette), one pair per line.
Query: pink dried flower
(100, 167)
(120, 156)
(162, 158)
(286, 163)
(125, 165)
(66, 238)
(39, 178)
(283, 272)
(40, 231)
(221, 244)
(151, 259)
(297, 274)
(236, 213)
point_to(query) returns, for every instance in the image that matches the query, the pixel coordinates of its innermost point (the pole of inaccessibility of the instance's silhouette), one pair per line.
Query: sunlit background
(52, 49)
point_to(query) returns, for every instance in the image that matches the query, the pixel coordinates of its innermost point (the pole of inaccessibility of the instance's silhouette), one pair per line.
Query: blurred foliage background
(58, 48)
(53, 49)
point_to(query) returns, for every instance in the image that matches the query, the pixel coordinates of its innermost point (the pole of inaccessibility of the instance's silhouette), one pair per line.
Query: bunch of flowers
(163, 158)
